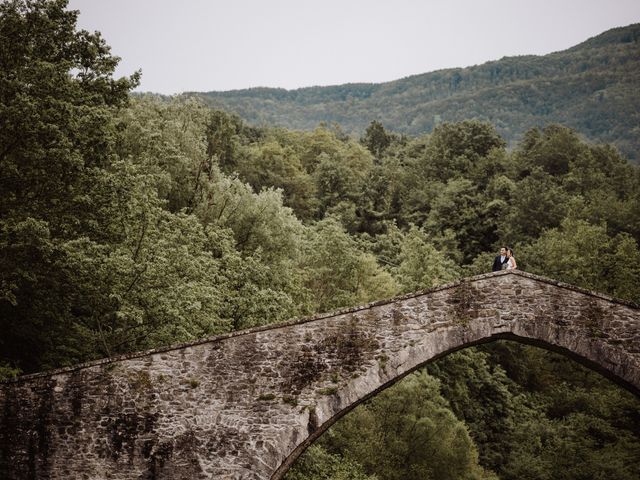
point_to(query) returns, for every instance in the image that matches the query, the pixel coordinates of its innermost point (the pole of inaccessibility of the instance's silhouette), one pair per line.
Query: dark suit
(497, 264)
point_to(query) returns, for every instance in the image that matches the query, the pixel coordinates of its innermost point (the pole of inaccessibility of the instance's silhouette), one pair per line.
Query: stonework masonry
(245, 405)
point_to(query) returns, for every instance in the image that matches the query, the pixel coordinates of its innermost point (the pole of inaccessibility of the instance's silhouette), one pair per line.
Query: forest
(130, 222)
(590, 87)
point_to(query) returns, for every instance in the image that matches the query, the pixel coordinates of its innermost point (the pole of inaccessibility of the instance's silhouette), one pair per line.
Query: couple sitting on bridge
(505, 261)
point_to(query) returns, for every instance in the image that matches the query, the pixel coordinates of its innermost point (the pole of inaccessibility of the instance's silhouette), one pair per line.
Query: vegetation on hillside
(590, 88)
(131, 223)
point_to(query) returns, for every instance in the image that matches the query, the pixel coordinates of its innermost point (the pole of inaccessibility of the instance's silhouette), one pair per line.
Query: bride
(511, 260)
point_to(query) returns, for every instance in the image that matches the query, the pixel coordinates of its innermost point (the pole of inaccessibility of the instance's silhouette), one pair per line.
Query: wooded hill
(591, 87)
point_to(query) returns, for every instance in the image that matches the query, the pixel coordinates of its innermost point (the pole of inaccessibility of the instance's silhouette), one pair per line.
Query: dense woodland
(591, 88)
(129, 223)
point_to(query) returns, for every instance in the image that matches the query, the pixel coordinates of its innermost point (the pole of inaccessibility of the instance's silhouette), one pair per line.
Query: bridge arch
(317, 433)
(245, 405)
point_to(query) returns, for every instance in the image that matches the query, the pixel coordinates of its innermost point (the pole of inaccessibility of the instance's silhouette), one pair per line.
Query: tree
(58, 102)
(407, 432)
(168, 139)
(376, 139)
(318, 464)
(153, 288)
(337, 272)
(609, 187)
(454, 148)
(566, 421)
(378, 201)
(340, 178)
(479, 394)
(583, 254)
(461, 209)
(553, 149)
(222, 138)
(541, 201)
(420, 264)
(98, 254)
(57, 105)
(314, 144)
(271, 165)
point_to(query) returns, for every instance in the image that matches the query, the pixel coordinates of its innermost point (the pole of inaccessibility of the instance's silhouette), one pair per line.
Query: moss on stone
(194, 382)
(266, 397)
(382, 361)
(140, 381)
(465, 301)
(290, 400)
(328, 390)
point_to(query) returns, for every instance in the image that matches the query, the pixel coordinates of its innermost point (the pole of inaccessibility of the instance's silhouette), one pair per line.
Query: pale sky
(204, 45)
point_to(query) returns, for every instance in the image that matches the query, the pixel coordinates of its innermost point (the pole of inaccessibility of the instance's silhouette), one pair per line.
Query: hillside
(591, 87)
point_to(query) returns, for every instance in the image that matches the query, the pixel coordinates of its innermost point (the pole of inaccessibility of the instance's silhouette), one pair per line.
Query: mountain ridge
(590, 87)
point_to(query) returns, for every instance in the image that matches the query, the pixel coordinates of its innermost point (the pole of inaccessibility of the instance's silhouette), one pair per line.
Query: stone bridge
(245, 405)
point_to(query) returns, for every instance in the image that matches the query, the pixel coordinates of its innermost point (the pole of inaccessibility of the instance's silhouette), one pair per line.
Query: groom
(500, 260)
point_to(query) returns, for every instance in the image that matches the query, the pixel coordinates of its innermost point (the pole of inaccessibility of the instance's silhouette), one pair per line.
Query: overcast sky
(204, 45)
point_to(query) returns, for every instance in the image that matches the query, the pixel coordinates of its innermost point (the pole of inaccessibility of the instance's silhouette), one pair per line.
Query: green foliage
(377, 202)
(590, 88)
(577, 447)
(8, 372)
(405, 432)
(222, 138)
(479, 395)
(318, 464)
(100, 252)
(337, 272)
(340, 178)
(420, 265)
(454, 148)
(541, 201)
(586, 255)
(57, 135)
(565, 421)
(457, 208)
(376, 139)
(530, 411)
(152, 289)
(272, 164)
(56, 126)
(167, 139)
(259, 222)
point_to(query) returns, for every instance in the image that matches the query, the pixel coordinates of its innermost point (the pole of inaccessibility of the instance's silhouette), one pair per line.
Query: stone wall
(245, 405)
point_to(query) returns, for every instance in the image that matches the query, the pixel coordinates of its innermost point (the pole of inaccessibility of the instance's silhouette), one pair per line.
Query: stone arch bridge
(245, 405)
